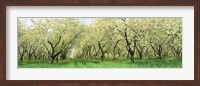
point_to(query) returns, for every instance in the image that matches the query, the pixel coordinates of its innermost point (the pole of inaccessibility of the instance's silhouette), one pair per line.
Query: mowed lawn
(166, 62)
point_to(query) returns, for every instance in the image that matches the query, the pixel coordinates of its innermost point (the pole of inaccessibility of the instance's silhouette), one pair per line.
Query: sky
(86, 20)
(27, 21)
(82, 20)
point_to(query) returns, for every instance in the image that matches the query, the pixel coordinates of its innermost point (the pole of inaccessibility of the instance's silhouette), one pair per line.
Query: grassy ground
(167, 62)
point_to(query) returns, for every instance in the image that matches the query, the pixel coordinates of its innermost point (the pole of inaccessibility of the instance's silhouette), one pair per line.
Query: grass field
(169, 62)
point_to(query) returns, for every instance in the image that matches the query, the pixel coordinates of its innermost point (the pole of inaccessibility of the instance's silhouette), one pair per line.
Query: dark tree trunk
(30, 55)
(140, 50)
(140, 55)
(52, 59)
(128, 43)
(158, 51)
(114, 50)
(102, 52)
(21, 58)
(57, 60)
(22, 53)
(177, 51)
(64, 54)
(132, 57)
(130, 54)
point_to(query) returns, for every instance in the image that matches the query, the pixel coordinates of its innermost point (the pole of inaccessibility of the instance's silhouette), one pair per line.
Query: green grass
(166, 62)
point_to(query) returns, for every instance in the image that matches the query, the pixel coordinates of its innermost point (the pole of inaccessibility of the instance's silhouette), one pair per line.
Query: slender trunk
(64, 54)
(114, 50)
(160, 51)
(159, 55)
(140, 50)
(57, 60)
(140, 55)
(52, 59)
(102, 52)
(21, 59)
(132, 57)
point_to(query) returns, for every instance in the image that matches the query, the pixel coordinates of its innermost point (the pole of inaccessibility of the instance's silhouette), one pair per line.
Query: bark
(53, 54)
(102, 52)
(130, 50)
(24, 50)
(177, 51)
(158, 50)
(114, 50)
(140, 55)
(31, 53)
(140, 50)
(64, 53)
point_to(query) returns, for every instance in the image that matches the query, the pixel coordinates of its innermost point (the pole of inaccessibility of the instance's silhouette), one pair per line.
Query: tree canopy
(58, 39)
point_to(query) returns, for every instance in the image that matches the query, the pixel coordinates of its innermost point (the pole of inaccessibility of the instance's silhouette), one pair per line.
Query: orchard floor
(166, 62)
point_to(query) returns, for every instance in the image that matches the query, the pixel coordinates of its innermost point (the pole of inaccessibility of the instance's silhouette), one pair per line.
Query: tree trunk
(21, 59)
(64, 54)
(114, 52)
(159, 55)
(52, 59)
(57, 60)
(132, 58)
(132, 55)
(140, 55)
(102, 52)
